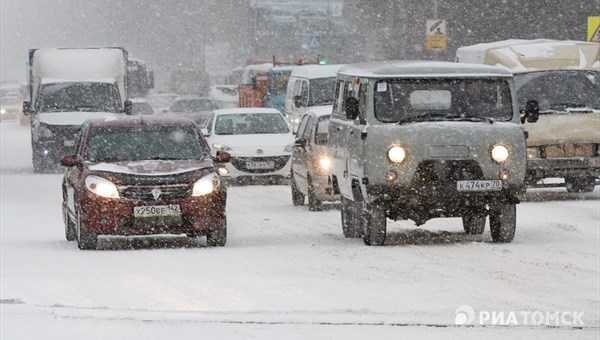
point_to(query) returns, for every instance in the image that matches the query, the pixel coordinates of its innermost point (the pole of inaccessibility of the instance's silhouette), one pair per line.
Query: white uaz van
(420, 140)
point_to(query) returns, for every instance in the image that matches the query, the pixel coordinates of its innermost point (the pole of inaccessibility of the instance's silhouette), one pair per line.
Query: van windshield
(321, 91)
(442, 99)
(548, 88)
(79, 96)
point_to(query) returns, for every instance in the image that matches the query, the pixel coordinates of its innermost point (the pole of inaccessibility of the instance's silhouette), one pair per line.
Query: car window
(322, 130)
(113, 144)
(302, 125)
(308, 129)
(250, 123)
(142, 109)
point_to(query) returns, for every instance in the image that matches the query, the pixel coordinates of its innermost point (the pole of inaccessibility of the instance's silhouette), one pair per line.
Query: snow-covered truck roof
(315, 71)
(520, 56)
(78, 64)
(421, 69)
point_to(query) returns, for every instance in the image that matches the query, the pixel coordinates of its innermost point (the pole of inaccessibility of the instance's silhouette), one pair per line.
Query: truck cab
(564, 78)
(422, 140)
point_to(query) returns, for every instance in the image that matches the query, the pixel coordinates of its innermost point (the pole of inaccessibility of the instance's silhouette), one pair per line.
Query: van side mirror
(298, 101)
(205, 132)
(27, 110)
(68, 161)
(222, 157)
(532, 112)
(351, 108)
(128, 107)
(300, 143)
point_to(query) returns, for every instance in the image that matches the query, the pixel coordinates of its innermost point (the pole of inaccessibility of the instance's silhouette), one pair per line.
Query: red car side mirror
(222, 157)
(68, 160)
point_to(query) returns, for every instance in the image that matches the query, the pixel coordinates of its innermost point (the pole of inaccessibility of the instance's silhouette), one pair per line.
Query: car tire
(70, 227)
(314, 204)
(503, 222)
(580, 184)
(375, 224)
(351, 226)
(85, 239)
(473, 224)
(297, 196)
(217, 237)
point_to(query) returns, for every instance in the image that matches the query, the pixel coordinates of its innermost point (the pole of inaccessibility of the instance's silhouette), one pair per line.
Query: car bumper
(105, 216)
(237, 167)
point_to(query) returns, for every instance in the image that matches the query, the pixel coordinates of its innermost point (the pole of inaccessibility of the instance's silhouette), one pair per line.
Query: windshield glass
(549, 89)
(88, 96)
(193, 105)
(250, 123)
(442, 99)
(144, 143)
(321, 91)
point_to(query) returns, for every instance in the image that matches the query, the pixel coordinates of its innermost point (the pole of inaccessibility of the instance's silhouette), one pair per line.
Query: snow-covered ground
(287, 273)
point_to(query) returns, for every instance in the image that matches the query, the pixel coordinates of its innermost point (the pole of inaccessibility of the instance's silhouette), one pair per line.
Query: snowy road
(287, 273)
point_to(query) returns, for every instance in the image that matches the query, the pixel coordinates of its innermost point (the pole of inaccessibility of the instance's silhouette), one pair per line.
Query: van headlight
(206, 185)
(397, 154)
(2, 111)
(499, 153)
(289, 148)
(101, 187)
(325, 163)
(533, 152)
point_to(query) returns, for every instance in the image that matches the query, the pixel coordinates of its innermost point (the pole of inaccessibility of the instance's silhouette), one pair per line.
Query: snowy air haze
(285, 272)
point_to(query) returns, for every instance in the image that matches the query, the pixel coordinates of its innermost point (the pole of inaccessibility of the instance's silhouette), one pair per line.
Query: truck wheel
(314, 204)
(70, 232)
(217, 238)
(375, 224)
(297, 196)
(350, 219)
(580, 184)
(473, 224)
(503, 222)
(85, 239)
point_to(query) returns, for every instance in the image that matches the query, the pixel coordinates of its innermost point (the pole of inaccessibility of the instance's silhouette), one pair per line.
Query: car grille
(430, 172)
(240, 163)
(145, 193)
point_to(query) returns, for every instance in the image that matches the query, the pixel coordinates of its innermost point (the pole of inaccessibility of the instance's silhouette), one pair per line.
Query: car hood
(151, 167)
(74, 118)
(248, 145)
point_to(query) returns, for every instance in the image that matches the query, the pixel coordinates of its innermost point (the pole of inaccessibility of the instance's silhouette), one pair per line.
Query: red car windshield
(116, 144)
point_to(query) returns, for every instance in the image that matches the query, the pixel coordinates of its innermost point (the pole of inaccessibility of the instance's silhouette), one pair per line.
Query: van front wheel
(375, 224)
(350, 218)
(503, 222)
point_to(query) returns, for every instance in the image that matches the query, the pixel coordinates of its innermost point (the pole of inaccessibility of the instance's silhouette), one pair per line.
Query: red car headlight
(101, 186)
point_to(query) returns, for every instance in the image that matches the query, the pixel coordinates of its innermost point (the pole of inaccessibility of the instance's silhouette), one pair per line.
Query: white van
(564, 78)
(309, 86)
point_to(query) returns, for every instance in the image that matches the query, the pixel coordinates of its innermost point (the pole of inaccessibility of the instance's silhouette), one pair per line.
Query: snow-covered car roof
(421, 69)
(316, 71)
(520, 56)
(58, 80)
(245, 110)
(131, 121)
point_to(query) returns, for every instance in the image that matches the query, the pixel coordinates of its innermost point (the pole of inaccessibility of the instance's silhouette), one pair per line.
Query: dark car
(142, 176)
(195, 108)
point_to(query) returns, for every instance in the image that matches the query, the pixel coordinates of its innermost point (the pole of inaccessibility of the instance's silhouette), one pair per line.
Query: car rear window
(114, 144)
(250, 124)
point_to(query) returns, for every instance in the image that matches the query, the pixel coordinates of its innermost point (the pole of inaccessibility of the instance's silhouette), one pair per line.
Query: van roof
(420, 69)
(520, 56)
(316, 71)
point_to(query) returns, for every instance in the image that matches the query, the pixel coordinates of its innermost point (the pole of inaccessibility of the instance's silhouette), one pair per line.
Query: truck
(66, 87)
(139, 79)
(563, 77)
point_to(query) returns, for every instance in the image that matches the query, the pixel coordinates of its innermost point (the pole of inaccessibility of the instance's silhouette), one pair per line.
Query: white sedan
(259, 140)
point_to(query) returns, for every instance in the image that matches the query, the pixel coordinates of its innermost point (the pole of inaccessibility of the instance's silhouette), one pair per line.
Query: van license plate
(157, 210)
(260, 165)
(491, 185)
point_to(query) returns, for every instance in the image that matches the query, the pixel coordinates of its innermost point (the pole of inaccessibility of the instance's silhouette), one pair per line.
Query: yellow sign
(435, 34)
(593, 29)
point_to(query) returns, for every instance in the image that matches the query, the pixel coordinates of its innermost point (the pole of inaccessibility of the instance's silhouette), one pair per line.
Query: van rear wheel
(580, 184)
(375, 224)
(350, 218)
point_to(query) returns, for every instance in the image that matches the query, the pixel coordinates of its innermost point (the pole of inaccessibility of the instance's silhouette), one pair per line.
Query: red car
(142, 176)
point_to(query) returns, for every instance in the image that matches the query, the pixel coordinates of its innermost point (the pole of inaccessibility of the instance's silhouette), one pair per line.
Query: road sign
(593, 29)
(336, 8)
(435, 34)
(315, 42)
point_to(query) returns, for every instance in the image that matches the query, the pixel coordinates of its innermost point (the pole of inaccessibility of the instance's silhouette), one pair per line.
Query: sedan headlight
(44, 132)
(101, 187)
(206, 184)
(499, 153)
(221, 147)
(397, 154)
(289, 148)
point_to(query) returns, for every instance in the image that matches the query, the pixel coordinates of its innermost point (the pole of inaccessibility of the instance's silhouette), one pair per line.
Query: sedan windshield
(116, 144)
(442, 99)
(79, 96)
(549, 89)
(250, 123)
